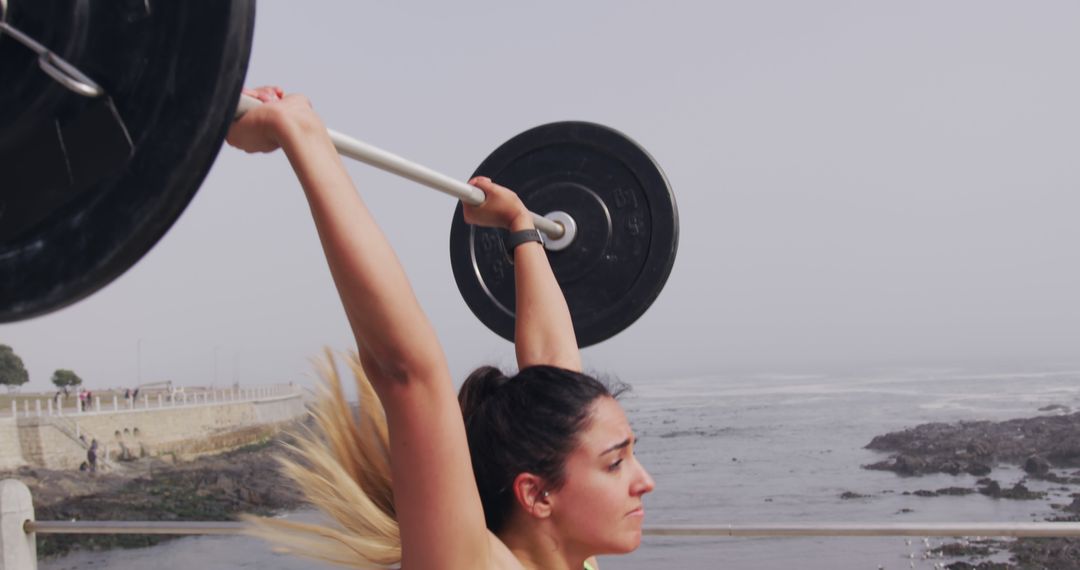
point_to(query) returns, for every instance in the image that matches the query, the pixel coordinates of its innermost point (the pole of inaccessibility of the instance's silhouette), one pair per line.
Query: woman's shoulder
(501, 557)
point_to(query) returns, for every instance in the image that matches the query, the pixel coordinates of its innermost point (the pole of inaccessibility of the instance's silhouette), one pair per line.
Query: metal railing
(159, 401)
(18, 529)
(1046, 529)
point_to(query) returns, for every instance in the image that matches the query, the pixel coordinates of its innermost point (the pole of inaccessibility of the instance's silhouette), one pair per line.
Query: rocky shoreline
(1047, 448)
(209, 488)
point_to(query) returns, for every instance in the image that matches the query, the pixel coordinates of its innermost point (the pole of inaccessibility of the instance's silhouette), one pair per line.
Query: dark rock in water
(1036, 465)
(973, 549)
(1073, 507)
(980, 566)
(957, 549)
(1054, 408)
(1038, 445)
(1065, 454)
(957, 491)
(847, 495)
(978, 468)
(924, 493)
(1018, 492)
(902, 464)
(1049, 553)
(974, 447)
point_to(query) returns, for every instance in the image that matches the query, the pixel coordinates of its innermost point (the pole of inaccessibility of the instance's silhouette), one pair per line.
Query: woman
(555, 481)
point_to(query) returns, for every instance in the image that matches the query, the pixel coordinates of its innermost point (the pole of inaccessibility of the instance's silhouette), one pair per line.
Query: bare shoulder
(501, 557)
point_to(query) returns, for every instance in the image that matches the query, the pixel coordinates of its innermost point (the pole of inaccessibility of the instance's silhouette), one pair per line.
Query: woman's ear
(531, 493)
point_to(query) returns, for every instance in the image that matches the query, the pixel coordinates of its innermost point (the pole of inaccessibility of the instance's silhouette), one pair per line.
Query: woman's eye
(614, 466)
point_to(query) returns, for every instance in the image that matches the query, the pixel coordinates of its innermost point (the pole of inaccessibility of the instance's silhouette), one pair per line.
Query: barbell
(112, 113)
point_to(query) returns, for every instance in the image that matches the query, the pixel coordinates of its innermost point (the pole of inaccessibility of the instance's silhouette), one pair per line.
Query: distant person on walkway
(91, 456)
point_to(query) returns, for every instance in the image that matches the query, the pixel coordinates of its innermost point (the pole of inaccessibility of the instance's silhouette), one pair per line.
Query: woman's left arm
(543, 330)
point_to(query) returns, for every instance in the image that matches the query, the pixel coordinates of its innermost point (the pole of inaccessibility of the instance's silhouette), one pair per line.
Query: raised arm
(543, 331)
(435, 496)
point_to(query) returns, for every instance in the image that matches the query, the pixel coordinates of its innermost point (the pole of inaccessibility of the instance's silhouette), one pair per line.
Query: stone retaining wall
(181, 429)
(10, 448)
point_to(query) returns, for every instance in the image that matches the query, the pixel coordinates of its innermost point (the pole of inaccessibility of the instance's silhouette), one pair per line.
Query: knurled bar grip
(394, 164)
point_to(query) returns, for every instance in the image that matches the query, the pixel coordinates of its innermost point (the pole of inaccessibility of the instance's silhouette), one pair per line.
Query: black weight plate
(173, 72)
(628, 228)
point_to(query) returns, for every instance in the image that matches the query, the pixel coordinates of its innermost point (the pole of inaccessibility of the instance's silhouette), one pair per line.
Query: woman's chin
(628, 544)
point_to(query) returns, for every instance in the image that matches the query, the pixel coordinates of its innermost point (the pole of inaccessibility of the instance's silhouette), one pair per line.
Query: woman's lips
(638, 512)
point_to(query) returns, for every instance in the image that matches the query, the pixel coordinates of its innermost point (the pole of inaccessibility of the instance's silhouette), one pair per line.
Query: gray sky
(859, 184)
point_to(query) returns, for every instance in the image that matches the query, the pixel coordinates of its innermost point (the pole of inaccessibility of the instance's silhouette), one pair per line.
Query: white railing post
(160, 404)
(26, 408)
(18, 548)
(49, 405)
(115, 403)
(97, 403)
(145, 402)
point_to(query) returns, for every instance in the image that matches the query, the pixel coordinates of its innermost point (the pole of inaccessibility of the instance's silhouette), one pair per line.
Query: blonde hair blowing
(342, 467)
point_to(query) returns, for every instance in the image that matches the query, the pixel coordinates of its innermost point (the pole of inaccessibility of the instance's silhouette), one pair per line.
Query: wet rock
(1074, 506)
(1049, 553)
(978, 469)
(848, 495)
(974, 447)
(1018, 492)
(955, 491)
(967, 548)
(212, 488)
(985, 565)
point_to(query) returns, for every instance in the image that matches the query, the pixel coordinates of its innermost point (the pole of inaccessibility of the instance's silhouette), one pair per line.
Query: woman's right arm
(435, 497)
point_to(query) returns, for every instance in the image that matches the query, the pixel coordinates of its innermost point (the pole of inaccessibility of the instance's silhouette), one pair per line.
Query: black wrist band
(524, 236)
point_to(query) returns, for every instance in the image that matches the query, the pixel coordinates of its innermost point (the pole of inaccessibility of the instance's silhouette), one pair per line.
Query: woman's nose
(644, 482)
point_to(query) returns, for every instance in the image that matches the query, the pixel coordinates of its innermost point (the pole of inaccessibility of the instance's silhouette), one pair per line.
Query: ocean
(760, 449)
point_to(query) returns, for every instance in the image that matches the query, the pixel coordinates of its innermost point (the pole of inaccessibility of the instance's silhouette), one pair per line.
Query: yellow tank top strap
(589, 566)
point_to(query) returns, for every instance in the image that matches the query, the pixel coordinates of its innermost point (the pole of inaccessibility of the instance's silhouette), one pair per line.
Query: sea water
(745, 449)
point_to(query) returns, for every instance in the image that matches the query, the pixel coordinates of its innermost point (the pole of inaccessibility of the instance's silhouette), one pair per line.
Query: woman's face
(600, 505)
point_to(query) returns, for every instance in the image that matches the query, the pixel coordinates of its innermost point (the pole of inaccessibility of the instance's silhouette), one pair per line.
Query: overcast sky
(860, 184)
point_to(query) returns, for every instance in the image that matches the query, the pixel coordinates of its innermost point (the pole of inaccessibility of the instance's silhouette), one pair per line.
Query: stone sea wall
(198, 423)
(10, 448)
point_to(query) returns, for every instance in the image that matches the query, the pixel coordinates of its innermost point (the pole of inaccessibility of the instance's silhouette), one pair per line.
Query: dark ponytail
(525, 423)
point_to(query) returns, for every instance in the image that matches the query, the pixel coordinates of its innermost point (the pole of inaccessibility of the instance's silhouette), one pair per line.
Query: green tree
(12, 371)
(65, 378)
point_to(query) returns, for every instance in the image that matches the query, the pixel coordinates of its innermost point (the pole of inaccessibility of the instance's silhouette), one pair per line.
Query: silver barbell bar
(394, 164)
(1043, 529)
